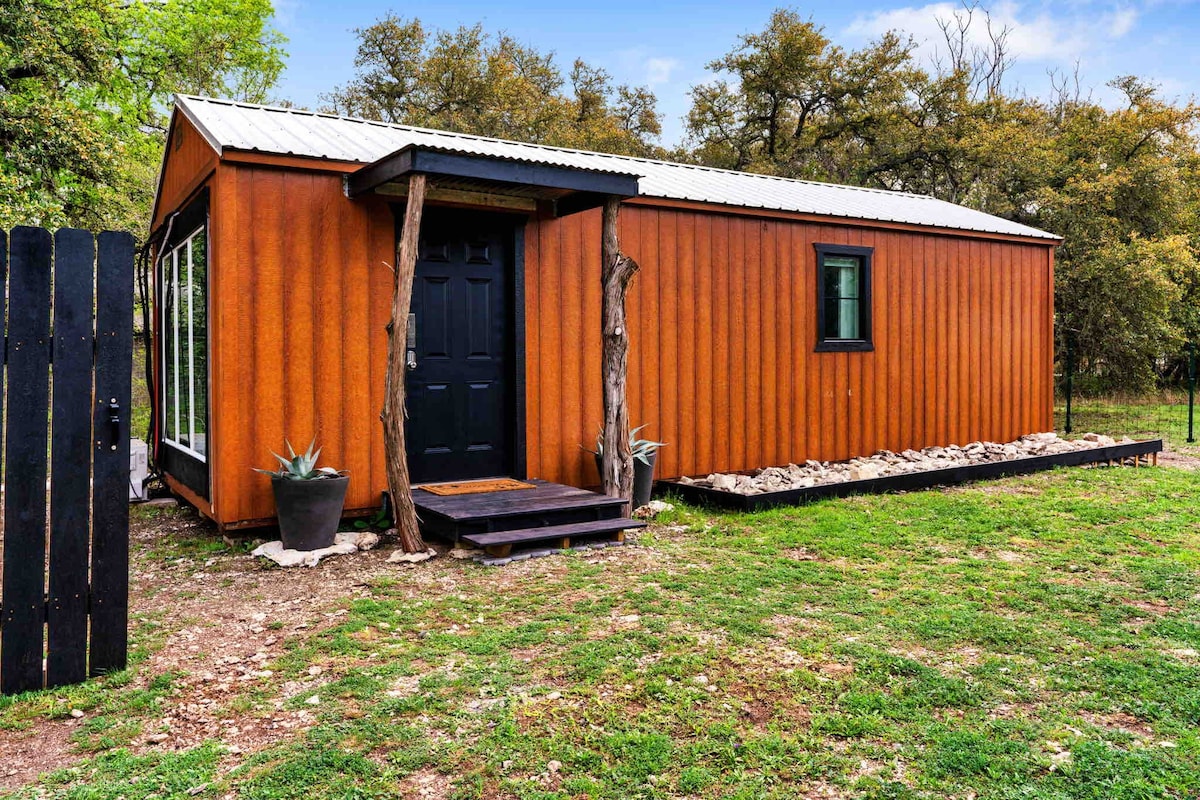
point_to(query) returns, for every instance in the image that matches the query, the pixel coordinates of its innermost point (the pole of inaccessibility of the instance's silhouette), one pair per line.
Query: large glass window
(185, 344)
(843, 297)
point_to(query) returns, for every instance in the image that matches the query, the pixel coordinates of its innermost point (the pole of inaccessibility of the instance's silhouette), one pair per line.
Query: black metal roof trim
(437, 161)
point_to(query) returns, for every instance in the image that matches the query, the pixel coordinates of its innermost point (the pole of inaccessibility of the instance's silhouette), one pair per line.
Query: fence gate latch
(114, 422)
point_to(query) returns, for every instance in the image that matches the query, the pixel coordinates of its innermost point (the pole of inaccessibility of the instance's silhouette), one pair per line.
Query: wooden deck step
(453, 516)
(500, 543)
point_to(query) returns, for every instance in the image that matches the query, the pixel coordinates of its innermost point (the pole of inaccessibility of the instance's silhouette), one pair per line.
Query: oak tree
(84, 90)
(470, 81)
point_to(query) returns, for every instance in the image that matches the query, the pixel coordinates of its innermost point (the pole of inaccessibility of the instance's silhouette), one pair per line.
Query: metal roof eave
(494, 170)
(233, 127)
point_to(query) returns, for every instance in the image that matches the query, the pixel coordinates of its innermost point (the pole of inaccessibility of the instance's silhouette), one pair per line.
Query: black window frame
(184, 465)
(865, 342)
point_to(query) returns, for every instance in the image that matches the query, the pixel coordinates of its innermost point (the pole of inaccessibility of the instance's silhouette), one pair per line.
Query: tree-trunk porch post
(394, 414)
(617, 270)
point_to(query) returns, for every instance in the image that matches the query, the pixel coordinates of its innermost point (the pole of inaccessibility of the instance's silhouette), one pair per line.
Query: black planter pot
(643, 479)
(309, 511)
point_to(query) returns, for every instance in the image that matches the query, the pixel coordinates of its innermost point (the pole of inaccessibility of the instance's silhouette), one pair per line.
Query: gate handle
(114, 421)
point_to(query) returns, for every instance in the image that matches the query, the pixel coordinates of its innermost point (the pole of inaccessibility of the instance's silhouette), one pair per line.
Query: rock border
(1132, 453)
(886, 463)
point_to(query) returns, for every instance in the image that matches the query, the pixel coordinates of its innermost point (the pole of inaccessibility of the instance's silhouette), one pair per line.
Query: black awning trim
(414, 159)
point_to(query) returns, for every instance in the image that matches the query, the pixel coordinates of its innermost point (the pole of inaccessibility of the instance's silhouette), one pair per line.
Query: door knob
(411, 359)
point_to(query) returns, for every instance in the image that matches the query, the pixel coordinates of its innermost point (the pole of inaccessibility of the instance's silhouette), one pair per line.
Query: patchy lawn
(1029, 638)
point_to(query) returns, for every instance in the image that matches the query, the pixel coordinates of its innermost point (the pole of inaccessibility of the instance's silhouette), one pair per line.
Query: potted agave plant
(645, 453)
(308, 499)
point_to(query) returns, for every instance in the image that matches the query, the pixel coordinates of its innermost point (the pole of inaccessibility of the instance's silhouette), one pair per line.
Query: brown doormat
(475, 487)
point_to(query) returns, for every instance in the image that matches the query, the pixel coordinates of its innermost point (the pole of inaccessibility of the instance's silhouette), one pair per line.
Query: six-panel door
(459, 383)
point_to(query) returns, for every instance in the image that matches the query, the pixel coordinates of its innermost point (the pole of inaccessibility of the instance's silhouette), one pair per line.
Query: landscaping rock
(726, 483)
(653, 509)
(344, 544)
(401, 557)
(886, 463)
(1100, 439)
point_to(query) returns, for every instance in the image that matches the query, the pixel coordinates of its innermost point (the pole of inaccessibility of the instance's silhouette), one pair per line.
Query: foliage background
(85, 89)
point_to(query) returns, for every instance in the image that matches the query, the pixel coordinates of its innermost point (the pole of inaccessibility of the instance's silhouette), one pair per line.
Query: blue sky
(666, 45)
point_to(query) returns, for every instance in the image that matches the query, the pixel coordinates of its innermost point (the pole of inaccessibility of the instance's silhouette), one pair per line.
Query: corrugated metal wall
(722, 327)
(303, 295)
(189, 162)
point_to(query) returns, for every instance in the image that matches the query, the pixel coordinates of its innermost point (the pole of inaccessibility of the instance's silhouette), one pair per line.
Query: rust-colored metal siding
(189, 163)
(722, 322)
(723, 329)
(301, 293)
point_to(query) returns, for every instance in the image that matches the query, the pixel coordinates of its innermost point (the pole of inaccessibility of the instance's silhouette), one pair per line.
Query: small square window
(843, 298)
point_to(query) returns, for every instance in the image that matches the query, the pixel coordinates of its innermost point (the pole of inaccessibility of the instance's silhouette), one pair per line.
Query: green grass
(1154, 417)
(139, 415)
(1028, 638)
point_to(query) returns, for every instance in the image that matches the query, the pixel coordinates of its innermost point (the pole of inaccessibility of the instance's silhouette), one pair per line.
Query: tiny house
(771, 321)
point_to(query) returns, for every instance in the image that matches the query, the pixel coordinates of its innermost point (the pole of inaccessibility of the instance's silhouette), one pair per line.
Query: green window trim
(843, 298)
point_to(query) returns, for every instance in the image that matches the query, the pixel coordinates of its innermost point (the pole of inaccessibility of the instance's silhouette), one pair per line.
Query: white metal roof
(229, 125)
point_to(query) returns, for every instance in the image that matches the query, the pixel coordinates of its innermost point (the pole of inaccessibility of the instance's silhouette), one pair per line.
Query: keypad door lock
(410, 358)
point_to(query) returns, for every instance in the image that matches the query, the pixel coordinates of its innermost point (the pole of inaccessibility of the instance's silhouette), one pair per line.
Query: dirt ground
(224, 616)
(1181, 459)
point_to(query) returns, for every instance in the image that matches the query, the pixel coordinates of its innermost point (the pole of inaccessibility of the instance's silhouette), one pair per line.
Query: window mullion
(191, 356)
(164, 322)
(175, 334)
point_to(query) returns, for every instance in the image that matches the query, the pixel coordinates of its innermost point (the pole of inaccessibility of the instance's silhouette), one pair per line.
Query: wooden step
(500, 543)
(453, 516)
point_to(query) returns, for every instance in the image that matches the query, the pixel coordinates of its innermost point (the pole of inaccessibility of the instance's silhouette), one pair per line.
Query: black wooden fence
(68, 364)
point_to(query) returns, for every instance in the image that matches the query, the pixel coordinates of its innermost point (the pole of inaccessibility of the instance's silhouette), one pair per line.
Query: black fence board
(22, 627)
(70, 458)
(912, 481)
(110, 507)
(3, 328)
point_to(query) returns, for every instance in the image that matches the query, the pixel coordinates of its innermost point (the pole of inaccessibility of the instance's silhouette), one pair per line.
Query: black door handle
(114, 422)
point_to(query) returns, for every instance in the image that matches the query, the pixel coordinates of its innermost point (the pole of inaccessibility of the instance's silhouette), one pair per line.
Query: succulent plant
(302, 467)
(641, 449)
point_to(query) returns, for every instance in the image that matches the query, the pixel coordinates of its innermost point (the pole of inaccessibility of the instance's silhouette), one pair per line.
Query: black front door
(460, 404)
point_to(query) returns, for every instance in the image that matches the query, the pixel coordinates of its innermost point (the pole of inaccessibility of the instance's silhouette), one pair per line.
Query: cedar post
(393, 401)
(617, 271)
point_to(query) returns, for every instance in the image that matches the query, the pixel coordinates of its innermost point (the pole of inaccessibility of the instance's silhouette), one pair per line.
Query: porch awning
(567, 188)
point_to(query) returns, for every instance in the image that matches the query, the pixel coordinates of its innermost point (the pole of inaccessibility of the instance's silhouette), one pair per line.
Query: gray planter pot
(309, 511)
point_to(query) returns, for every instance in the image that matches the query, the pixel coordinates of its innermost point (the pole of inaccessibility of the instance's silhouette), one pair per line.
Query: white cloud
(1033, 35)
(287, 13)
(1121, 22)
(639, 66)
(658, 70)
